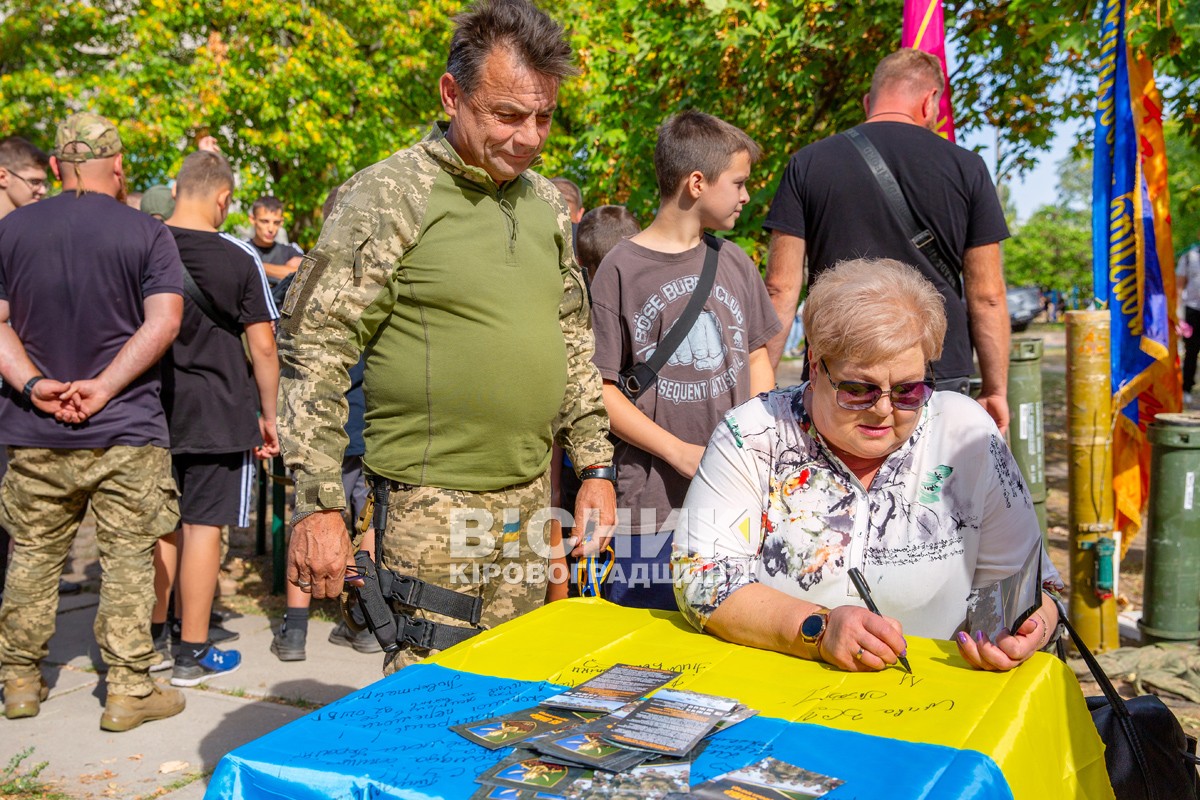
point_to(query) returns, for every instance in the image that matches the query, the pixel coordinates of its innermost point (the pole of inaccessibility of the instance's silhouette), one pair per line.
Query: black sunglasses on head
(860, 395)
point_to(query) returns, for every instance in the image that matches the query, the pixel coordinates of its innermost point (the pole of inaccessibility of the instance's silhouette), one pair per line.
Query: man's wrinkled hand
(596, 500)
(318, 553)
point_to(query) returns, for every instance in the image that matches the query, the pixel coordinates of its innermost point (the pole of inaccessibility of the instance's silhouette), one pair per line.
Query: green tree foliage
(786, 73)
(300, 95)
(1183, 178)
(1075, 181)
(1169, 33)
(1053, 249)
(789, 74)
(1019, 70)
(1183, 182)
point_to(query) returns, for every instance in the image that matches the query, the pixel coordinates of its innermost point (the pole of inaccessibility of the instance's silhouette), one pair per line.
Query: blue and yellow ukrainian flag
(1133, 259)
(944, 732)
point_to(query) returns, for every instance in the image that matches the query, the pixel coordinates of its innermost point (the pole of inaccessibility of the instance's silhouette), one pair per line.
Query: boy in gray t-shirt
(642, 286)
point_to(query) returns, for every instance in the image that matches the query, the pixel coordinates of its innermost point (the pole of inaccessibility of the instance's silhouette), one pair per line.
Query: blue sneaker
(190, 671)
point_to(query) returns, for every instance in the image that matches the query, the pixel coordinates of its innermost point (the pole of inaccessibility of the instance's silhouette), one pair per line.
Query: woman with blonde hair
(863, 466)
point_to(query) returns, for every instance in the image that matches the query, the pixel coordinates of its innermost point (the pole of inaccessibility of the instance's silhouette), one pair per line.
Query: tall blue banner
(1130, 246)
(1114, 221)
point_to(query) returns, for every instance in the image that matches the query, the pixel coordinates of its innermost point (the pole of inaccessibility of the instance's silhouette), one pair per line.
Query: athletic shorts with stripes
(214, 488)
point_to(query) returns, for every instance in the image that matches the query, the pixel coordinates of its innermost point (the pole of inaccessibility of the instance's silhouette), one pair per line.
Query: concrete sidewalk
(174, 757)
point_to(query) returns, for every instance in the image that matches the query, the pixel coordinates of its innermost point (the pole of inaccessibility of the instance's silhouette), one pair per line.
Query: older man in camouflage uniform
(93, 291)
(451, 264)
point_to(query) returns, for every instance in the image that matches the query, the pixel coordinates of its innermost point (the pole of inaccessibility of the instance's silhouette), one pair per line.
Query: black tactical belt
(430, 635)
(416, 593)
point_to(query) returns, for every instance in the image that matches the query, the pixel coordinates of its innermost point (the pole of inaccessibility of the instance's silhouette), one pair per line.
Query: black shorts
(214, 488)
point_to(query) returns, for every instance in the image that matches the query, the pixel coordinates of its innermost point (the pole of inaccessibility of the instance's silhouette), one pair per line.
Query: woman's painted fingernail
(979, 636)
(962, 637)
(904, 653)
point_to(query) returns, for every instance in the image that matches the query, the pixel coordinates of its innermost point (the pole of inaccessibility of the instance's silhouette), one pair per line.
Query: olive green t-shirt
(465, 359)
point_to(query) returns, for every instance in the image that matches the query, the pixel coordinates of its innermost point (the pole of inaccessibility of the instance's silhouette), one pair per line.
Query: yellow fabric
(1032, 722)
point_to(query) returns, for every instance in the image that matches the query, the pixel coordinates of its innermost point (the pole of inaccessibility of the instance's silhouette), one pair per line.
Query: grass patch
(178, 783)
(24, 784)
(295, 702)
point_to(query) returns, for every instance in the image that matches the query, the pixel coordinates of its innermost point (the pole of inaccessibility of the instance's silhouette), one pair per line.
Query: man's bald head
(906, 74)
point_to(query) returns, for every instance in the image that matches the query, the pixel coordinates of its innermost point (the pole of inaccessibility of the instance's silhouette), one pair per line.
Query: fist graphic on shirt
(703, 347)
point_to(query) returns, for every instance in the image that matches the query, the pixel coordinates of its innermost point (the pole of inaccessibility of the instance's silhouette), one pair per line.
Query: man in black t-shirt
(280, 259)
(211, 397)
(92, 289)
(23, 180)
(829, 207)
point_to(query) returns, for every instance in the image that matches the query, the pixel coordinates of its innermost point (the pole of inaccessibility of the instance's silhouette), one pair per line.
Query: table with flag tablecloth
(945, 731)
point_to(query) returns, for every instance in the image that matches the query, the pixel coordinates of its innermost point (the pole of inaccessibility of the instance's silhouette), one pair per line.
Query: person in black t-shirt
(92, 291)
(23, 180)
(211, 397)
(280, 259)
(829, 207)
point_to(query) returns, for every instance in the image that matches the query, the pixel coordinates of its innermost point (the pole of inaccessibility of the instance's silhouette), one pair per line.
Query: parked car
(1024, 303)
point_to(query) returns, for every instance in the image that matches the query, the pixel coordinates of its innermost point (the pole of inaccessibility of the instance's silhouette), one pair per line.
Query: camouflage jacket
(355, 267)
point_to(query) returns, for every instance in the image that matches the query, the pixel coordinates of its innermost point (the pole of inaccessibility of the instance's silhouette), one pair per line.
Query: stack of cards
(603, 738)
(613, 689)
(769, 779)
(515, 727)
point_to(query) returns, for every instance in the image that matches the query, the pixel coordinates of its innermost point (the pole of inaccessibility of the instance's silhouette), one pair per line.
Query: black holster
(388, 599)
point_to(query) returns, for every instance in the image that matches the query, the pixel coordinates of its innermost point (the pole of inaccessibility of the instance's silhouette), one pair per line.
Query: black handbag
(1147, 754)
(635, 379)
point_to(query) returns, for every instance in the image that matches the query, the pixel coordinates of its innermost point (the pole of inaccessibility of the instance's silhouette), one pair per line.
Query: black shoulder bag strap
(635, 380)
(922, 238)
(1136, 748)
(222, 321)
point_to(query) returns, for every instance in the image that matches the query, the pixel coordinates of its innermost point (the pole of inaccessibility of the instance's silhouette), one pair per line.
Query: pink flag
(924, 29)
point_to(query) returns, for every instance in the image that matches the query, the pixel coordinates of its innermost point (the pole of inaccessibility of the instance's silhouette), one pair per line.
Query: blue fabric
(1126, 275)
(641, 573)
(391, 740)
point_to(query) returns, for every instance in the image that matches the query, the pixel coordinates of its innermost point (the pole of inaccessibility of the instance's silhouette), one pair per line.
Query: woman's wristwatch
(813, 628)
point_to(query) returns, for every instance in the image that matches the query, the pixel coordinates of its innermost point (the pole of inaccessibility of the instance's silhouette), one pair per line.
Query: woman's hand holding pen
(858, 641)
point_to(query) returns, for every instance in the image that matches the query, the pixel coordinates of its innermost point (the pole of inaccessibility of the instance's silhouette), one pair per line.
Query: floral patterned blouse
(946, 516)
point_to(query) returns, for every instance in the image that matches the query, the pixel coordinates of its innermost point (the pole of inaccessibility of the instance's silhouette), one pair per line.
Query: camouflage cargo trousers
(42, 501)
(492, 545)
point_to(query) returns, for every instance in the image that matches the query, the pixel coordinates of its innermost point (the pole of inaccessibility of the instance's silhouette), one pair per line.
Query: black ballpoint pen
(860, 583)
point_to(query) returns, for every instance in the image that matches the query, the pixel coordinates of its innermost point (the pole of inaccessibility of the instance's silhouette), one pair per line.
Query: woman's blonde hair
(871, 310)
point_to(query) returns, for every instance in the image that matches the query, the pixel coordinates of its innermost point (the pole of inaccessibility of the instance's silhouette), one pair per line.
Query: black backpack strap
(922, 238)
(222, 321)
(641, 376)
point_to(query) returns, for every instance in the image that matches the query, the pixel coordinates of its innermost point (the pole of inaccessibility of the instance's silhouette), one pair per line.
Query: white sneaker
(1187, 398)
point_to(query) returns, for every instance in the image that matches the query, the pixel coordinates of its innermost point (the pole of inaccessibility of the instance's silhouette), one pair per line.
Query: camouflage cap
(158, 202)
(84, 136)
